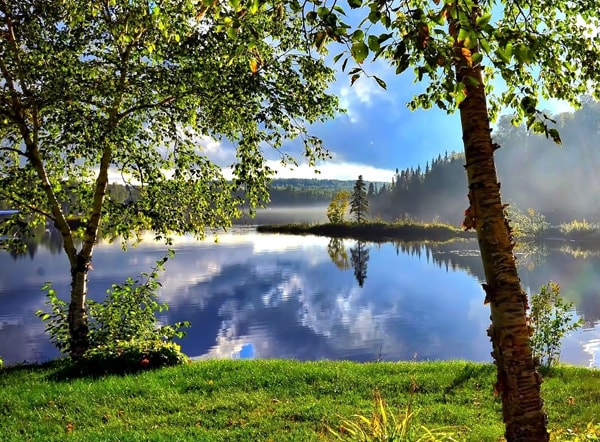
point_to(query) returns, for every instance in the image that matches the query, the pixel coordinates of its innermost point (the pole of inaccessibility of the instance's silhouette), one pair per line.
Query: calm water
(307, 298)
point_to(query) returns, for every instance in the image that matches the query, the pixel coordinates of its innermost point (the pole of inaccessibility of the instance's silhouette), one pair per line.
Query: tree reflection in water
(359, 255)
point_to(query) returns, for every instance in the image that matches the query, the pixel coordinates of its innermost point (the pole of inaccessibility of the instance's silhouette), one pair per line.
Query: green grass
(374, 231)
(264, 400)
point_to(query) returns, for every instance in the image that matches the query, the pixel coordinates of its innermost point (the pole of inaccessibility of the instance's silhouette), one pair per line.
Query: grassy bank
(266, 400)
(373, 231)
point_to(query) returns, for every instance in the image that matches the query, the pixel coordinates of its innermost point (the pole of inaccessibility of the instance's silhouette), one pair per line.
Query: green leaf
(359, 51)
(485, 45)
(528, 104)
(402, 64)
(463, 35)
(358, 35)
(374, 16)
(354, 78)
(339, 9)
(344, 63)
(355, 3)
(508, 49)
(522, 54)
(555, 135)
(254, 7)
(373, 42)
(483, 20)
(380, 82)
(384, 37)
(322, 12)
(502, 56)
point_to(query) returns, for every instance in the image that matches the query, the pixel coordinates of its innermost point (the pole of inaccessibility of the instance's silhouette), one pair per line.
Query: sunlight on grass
(385, 425)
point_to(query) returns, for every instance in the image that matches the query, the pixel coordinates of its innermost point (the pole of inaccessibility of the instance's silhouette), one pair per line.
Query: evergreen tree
(359, 204)
(371, 190)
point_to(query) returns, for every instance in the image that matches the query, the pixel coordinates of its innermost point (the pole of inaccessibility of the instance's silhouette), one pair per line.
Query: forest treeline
(560, 182)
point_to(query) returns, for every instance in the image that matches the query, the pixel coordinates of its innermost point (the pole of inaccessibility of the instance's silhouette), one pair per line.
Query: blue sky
(378, 133)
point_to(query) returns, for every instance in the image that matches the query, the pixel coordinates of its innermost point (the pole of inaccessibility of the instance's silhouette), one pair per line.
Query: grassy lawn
(270, 400)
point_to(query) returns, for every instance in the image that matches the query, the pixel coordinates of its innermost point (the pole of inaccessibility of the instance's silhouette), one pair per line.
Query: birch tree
(457, 51)
(139, 88)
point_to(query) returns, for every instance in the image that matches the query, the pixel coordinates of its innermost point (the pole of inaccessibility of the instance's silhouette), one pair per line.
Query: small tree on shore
(359, 204)
(338, 207)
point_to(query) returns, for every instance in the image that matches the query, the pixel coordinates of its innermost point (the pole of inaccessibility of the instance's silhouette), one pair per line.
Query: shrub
(579, 229)
(551, 319)
(123, 326)
(132, 356)
(529, 223)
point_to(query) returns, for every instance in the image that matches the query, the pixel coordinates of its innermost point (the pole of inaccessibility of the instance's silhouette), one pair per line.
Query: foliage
(146, 91)
(1, 363)
(336, 211)
(551, 319)
(528, 224)
(385, 425)
(590, 433)
(576, 229)
(129, 312)
(124, 325)
(359, 203)
(359, 257)
(57, 323)
(502, 35)
(338, 254)
(131, 356)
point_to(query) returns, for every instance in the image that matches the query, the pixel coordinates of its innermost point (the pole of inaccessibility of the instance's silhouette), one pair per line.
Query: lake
(253, 295)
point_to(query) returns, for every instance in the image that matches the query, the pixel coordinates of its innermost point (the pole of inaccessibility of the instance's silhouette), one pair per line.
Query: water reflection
(278, 296)
(360, 257)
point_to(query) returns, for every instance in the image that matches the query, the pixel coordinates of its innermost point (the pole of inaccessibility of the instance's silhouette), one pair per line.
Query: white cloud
(216, 151)
(360, 94)
(333, 170)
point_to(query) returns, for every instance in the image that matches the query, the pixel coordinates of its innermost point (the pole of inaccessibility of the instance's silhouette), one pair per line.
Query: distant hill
(309, 191)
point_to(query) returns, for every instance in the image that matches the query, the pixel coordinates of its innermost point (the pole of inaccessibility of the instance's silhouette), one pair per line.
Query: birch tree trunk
(77, 318)
(518, 382)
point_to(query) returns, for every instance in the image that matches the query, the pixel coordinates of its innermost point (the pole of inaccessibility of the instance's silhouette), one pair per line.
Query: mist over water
(287, 214)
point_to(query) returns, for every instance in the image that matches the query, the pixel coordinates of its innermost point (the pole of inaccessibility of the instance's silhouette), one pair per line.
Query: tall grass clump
(387, 425)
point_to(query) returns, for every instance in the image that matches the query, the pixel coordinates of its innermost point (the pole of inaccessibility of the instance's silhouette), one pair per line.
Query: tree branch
(11, 149)
(29, 206)
(133, 109)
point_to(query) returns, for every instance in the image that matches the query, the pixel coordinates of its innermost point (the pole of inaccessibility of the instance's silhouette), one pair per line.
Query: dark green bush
(131, 356)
